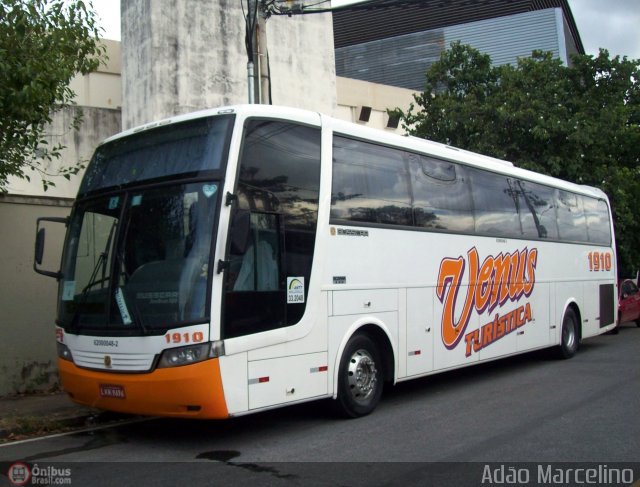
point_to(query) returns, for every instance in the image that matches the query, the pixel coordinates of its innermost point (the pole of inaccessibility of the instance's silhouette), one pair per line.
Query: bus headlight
(64, 352)
(175, 357)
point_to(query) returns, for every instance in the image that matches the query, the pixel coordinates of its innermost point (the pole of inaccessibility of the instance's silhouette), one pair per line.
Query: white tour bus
(239, 259)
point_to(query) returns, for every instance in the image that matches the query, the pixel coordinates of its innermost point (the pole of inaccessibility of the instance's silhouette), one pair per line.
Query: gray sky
(612, 24)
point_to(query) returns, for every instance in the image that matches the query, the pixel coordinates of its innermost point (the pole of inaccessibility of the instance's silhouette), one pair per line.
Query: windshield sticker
(114, 202)
(122, 306)
(295, 290)
(209, 190)
(68, 290)
(136, 200)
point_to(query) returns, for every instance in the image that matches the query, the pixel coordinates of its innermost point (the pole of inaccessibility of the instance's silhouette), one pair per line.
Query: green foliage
(43, 44)
(579, 123)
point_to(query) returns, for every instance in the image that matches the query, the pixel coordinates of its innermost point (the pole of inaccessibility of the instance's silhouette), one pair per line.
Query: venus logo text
(491, 284)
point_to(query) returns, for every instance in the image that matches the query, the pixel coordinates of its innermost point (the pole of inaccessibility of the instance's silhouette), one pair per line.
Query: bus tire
(360, 377)
(569, 338)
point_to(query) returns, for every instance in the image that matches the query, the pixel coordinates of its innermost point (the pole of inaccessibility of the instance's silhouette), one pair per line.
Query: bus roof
(411, 143)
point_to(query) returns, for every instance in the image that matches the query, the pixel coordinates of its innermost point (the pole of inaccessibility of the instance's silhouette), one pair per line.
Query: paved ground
(29, 415)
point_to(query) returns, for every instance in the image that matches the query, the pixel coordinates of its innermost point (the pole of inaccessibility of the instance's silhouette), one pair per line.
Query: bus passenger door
(420, 330)
(254, 288)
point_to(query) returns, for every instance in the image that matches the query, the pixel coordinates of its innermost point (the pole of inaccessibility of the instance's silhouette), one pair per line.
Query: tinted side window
(370, 183)
(442, 198)
(495, 198)
(572, 224)
(279, 184)
(537, 210)
(598, 225)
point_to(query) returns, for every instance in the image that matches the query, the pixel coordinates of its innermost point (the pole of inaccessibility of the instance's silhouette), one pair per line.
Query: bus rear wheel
(360, 377)
(569, 338)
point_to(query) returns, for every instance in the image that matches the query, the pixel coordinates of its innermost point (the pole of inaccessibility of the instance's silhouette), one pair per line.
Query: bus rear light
(64, 352)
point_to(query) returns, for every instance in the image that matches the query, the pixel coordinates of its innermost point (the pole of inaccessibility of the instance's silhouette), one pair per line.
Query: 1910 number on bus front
(195, 337)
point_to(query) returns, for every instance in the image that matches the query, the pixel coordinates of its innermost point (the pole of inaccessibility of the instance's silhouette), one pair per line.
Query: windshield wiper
(103, 258)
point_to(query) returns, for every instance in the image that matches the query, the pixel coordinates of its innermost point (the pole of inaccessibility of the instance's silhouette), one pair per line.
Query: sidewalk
(28, 415)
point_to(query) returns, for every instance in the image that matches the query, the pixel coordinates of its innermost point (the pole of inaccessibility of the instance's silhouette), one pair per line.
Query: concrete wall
(178, 57)
(353, 94)
(301, 53)
(103, 88)
(27, 299)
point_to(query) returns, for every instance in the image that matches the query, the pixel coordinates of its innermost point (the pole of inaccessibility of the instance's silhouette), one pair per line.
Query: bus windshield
(139, 260)
(185, 149)
(138, 248)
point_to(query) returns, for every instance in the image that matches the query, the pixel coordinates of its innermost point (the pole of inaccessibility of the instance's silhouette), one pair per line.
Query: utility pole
(250, 25)
(258, 11)
(256, 43)
(262, 55)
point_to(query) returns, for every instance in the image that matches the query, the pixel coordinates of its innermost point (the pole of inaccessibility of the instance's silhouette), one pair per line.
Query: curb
(31, 426)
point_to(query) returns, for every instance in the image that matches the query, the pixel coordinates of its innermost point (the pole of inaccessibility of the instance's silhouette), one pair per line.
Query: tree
(579, 123)
(43, 44)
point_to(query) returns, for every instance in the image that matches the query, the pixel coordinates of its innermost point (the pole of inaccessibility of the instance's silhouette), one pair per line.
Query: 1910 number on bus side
(599, 261)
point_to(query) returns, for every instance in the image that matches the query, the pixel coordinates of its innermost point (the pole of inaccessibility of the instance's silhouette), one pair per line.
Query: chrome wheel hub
(362, 375)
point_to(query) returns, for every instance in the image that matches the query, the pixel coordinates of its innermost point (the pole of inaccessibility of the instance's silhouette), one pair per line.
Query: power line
(287, 7)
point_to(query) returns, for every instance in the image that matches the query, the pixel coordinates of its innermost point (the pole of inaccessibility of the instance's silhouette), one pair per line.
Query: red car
(629, 302)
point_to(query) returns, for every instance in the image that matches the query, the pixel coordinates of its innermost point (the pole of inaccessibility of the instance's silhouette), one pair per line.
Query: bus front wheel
(569, 338)
(360, 377)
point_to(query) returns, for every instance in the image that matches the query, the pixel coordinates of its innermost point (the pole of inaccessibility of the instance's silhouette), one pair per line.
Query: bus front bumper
(193, 391)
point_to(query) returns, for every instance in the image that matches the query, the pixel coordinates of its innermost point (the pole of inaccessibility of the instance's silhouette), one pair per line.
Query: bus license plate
(112, 390)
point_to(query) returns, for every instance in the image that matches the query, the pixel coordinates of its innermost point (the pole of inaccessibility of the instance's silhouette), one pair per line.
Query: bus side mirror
(240, 232)
(40, 236)
(40, 244)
